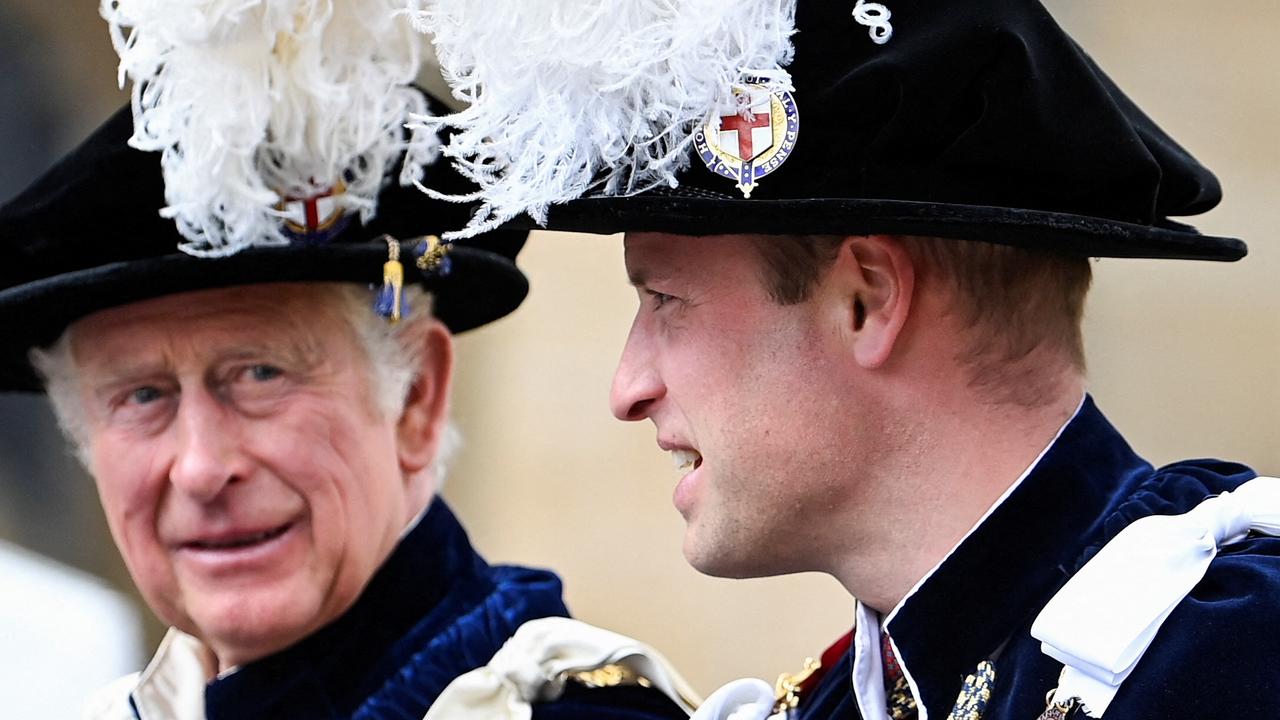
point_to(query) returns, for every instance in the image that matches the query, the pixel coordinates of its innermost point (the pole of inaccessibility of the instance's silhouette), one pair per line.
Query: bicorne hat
(975, 119)
(89, 235)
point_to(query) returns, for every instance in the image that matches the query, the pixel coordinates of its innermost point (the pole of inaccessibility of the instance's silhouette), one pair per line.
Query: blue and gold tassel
(390, 300)
(433, 256)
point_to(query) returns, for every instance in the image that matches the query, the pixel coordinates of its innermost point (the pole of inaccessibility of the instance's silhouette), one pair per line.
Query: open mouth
(241, 541)
(686, 460)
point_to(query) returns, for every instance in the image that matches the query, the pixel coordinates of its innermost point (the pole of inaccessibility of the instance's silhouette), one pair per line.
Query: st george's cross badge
(317, 219)
(755, 139)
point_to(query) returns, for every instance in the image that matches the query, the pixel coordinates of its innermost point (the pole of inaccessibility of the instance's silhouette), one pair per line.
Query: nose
(208, 458)
(637, 384)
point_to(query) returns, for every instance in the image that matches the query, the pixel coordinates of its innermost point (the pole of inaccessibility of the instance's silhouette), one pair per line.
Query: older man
(231, 297)
(861, 273)
(267, 447)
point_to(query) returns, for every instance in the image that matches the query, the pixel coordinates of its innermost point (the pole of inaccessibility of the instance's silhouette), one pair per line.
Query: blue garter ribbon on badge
(754, 141)
(314, 220)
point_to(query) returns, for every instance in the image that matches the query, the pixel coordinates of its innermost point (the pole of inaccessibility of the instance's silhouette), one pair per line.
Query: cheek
(367, 512)
(376, 493)
(340, 463)
(130, 481)
(769, 406)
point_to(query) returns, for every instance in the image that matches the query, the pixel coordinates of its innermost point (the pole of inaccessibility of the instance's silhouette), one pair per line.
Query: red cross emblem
(745, 128)
(754, 141)
(312, 218)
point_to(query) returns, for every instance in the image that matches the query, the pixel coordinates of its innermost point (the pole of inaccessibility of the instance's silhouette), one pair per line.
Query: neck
(952, 463)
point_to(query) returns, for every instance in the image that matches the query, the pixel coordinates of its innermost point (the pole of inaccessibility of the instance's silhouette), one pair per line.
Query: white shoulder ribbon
(1106, 616)
(746, 699)
(532, 666)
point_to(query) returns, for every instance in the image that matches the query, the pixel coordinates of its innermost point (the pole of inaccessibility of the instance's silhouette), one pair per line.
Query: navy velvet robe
(434, 611)
(1216, 656)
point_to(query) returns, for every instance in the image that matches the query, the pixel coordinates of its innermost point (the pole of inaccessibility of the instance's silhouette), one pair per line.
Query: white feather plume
(250, 101)
(563, 92)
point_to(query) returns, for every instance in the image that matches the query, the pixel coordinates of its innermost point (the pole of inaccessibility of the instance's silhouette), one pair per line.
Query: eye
(145, 395)
(659, 299)
(256, 387)
(264, 373)
(142, 404)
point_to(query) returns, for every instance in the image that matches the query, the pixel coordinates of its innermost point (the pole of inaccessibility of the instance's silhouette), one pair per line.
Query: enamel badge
(753, 141)
(314, 220)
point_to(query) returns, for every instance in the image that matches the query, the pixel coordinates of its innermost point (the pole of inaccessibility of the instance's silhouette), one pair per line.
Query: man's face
(747, 392)
(248, 479)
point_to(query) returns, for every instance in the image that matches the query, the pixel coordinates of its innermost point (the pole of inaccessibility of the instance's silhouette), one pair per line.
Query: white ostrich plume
(253, 101)
(573, 96)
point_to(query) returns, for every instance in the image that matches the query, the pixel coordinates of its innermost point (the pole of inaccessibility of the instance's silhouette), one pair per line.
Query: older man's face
(250, 482)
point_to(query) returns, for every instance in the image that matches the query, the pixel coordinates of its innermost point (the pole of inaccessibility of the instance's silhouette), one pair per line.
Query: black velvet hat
(88, 235)
(977, 119)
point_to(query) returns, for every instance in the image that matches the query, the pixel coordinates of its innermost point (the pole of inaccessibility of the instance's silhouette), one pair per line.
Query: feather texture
(252, 101)
(568, 97)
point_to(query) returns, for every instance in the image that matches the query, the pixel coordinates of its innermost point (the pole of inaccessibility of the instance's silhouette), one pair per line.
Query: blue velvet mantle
(1217, 655)
(434, 611)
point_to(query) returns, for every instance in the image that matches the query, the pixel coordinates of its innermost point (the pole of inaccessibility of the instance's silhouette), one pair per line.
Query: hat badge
(316, 219)
(754, 139)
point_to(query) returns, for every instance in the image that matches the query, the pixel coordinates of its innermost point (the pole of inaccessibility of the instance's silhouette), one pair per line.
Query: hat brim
(682, 212)
(482, 286)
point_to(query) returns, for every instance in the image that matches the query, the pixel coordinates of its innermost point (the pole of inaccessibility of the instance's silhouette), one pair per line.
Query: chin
(723, 561)
(738, 551)
(243, 627)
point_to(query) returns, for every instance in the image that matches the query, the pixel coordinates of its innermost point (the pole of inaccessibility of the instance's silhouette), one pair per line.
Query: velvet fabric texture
(434, 611)
(978, 120)
(88, 236)
(1214, 657)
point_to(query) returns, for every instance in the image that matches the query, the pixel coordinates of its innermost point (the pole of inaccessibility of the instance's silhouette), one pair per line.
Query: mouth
(239, 541)
(686, 460)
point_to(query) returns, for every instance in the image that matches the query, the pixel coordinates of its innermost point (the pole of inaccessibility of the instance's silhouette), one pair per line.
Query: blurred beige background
(1184, 357)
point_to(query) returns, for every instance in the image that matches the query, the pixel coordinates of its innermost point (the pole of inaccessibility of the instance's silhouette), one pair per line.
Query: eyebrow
(304, 354)
(642, 273)
(105, 374)
(104, 385)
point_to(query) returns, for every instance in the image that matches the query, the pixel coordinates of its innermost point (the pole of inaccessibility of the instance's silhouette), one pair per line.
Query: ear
(421, 427)
(876, 276)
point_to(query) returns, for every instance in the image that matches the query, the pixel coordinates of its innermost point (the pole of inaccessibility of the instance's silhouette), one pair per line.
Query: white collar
(868, 669)
(172, 686)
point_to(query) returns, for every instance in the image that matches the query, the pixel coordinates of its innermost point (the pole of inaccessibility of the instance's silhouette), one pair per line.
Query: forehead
(654, 257)
(257, 315)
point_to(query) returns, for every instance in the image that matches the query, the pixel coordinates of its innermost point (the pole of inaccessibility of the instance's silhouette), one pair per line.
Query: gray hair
(392, 353)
